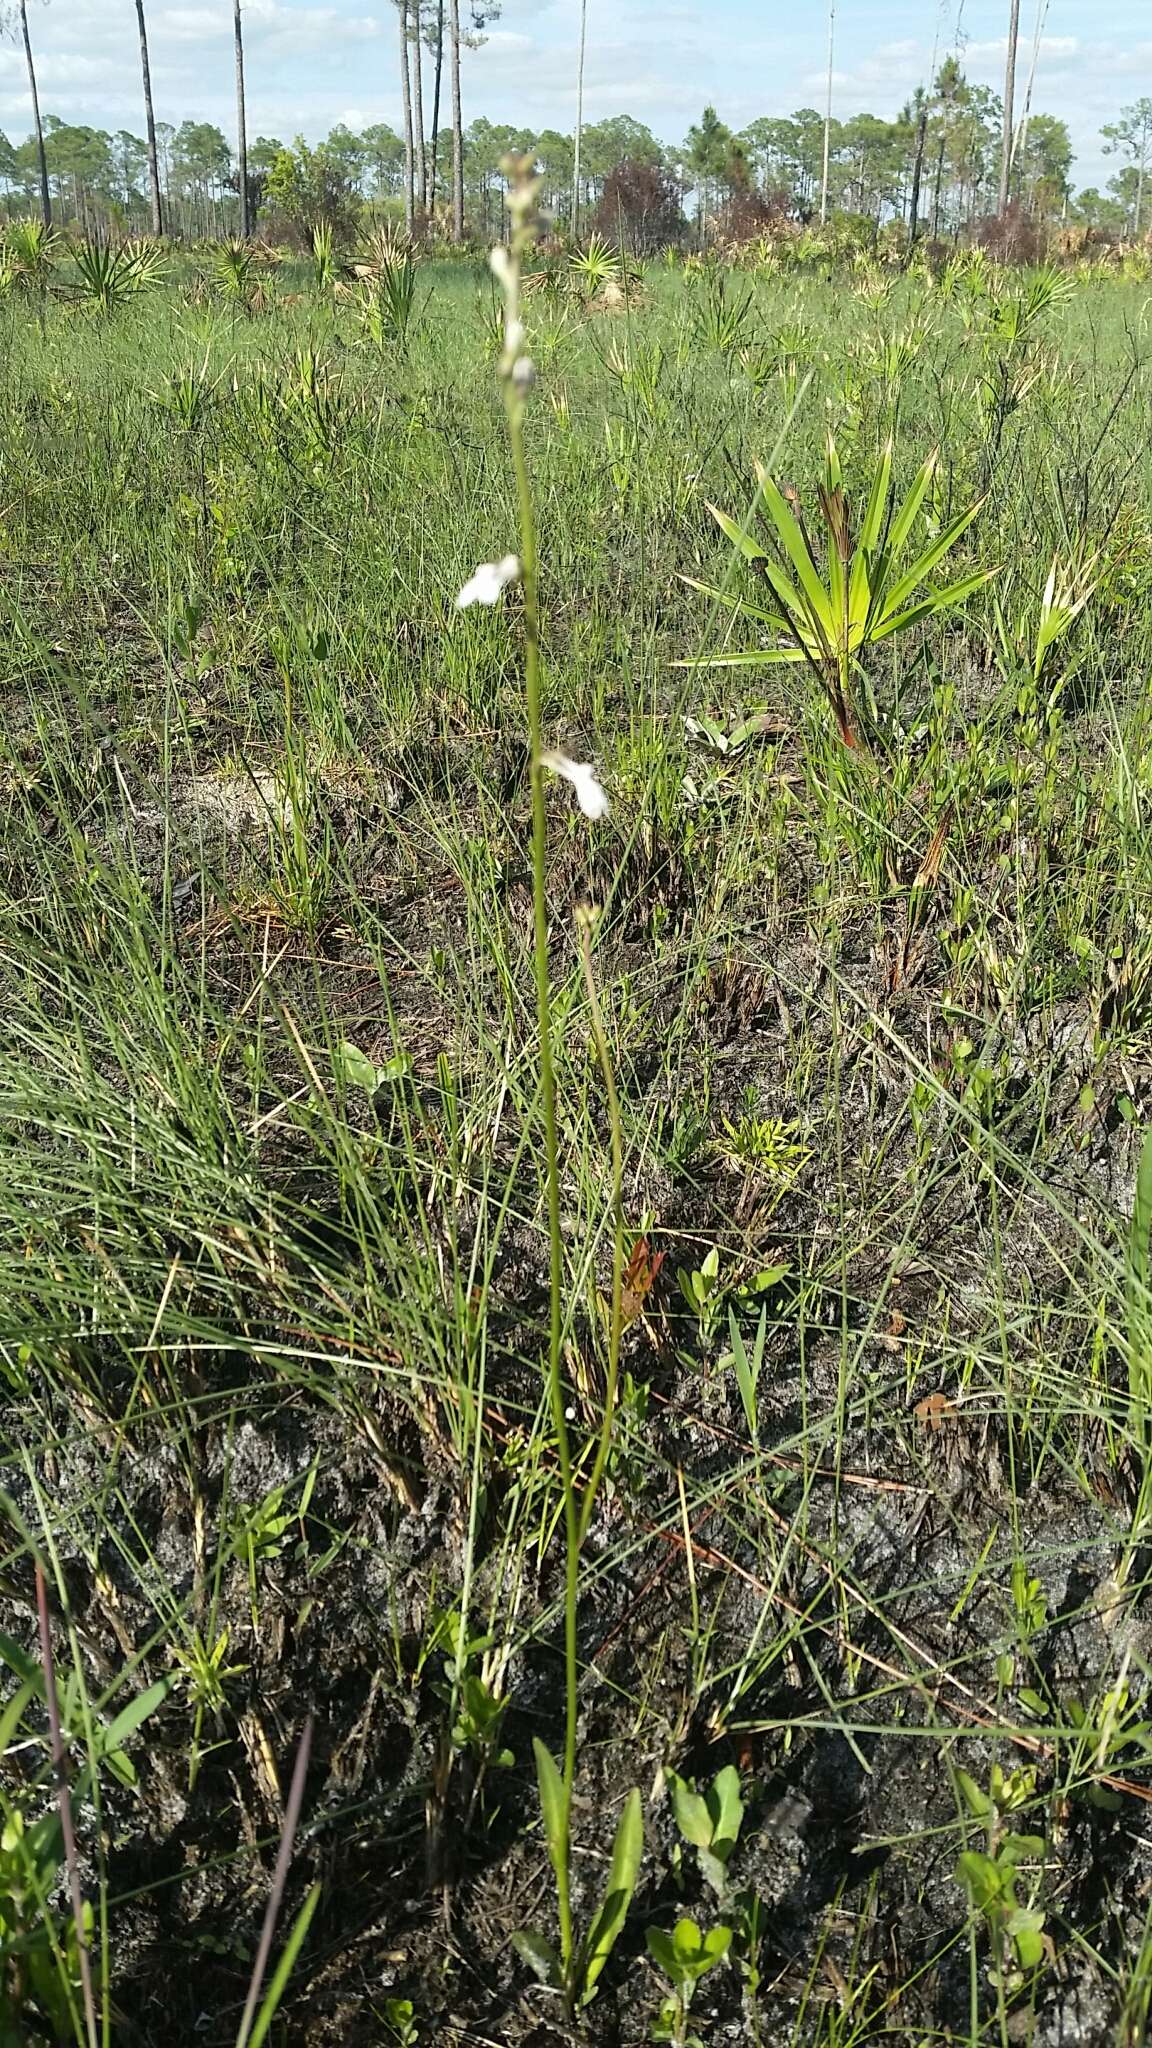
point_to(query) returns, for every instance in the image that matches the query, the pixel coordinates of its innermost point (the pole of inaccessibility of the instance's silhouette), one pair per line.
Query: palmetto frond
(869, 585)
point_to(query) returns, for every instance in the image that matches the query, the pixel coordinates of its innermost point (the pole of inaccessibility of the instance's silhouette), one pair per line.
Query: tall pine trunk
(828, 112)
(1009, 107)
(406, 91)
(45, 194)
(917, 175)
(457, 127)
(937, 190)
(579, 119)
(418, 106)
(241, 131)
(150, 124)
(434, 177)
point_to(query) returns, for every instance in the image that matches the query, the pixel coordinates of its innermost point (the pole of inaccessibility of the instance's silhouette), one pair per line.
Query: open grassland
(870, 1557)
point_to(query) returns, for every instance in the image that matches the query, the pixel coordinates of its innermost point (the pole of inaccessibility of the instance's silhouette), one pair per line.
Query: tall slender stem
(522, 192)
(616, 1312)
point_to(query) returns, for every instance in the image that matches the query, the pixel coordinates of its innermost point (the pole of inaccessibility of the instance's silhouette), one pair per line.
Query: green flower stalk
(575, 1968)
(517, 378)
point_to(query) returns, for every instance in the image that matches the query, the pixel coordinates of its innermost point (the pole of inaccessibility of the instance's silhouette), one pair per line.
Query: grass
(274, 1235)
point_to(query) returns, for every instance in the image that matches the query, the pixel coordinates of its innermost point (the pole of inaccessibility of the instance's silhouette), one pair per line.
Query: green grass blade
(284, 1969)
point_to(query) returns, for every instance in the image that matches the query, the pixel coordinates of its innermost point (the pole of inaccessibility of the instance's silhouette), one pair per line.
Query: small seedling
(702, 1290)
(712, 735)
(705, 1290)
(399, 2016)
(751, 1926)
(1016, 1931)
(685, 1956)
(358, 1071)
(259, 1532)
(710, 1821)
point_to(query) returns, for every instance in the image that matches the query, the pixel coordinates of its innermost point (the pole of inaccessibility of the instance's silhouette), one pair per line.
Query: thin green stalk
(616, 1321)
(521, 205)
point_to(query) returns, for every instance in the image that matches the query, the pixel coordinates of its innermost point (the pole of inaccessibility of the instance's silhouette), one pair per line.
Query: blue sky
(314, 62)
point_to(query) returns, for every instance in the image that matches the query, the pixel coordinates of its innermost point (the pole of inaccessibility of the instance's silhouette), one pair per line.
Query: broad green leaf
(859, 594)
(116, 1734)
(13, 1713)
(741, 607)
(799, 617)
(726, 1808)
(686, 1940)
(974, 1797)
(662, 1950)
(763, 1278)
(553, 1807)
(756, 658)
(692, 1816)
(873, 523)
(540, 1956)
(626, 1853)
(355, 1067)
(26, 1668)
(1037, 1706)
(905, 518)
(1027, 1931)
(1015, 1849)
(984, 1879)
(715, 1946)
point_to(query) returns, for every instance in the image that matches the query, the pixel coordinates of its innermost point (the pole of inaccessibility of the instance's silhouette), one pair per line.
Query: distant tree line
(935, 167)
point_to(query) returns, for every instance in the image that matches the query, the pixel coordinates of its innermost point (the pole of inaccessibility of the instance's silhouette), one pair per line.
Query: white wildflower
(523, 373)
(513, 339)
(486, 583)
(592, 799)
(500, 264)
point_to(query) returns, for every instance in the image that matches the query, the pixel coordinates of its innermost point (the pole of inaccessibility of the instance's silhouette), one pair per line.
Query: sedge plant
(575, 1966)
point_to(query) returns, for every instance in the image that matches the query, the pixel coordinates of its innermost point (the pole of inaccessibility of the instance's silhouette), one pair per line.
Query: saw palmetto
(864, 589)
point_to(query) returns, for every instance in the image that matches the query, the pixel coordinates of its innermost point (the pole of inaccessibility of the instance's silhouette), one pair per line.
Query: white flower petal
(590, 796)
(486, 584)
(500, 264)
(513, 339)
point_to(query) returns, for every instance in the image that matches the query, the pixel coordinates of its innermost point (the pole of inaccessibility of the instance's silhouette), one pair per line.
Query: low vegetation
(575, 1192)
